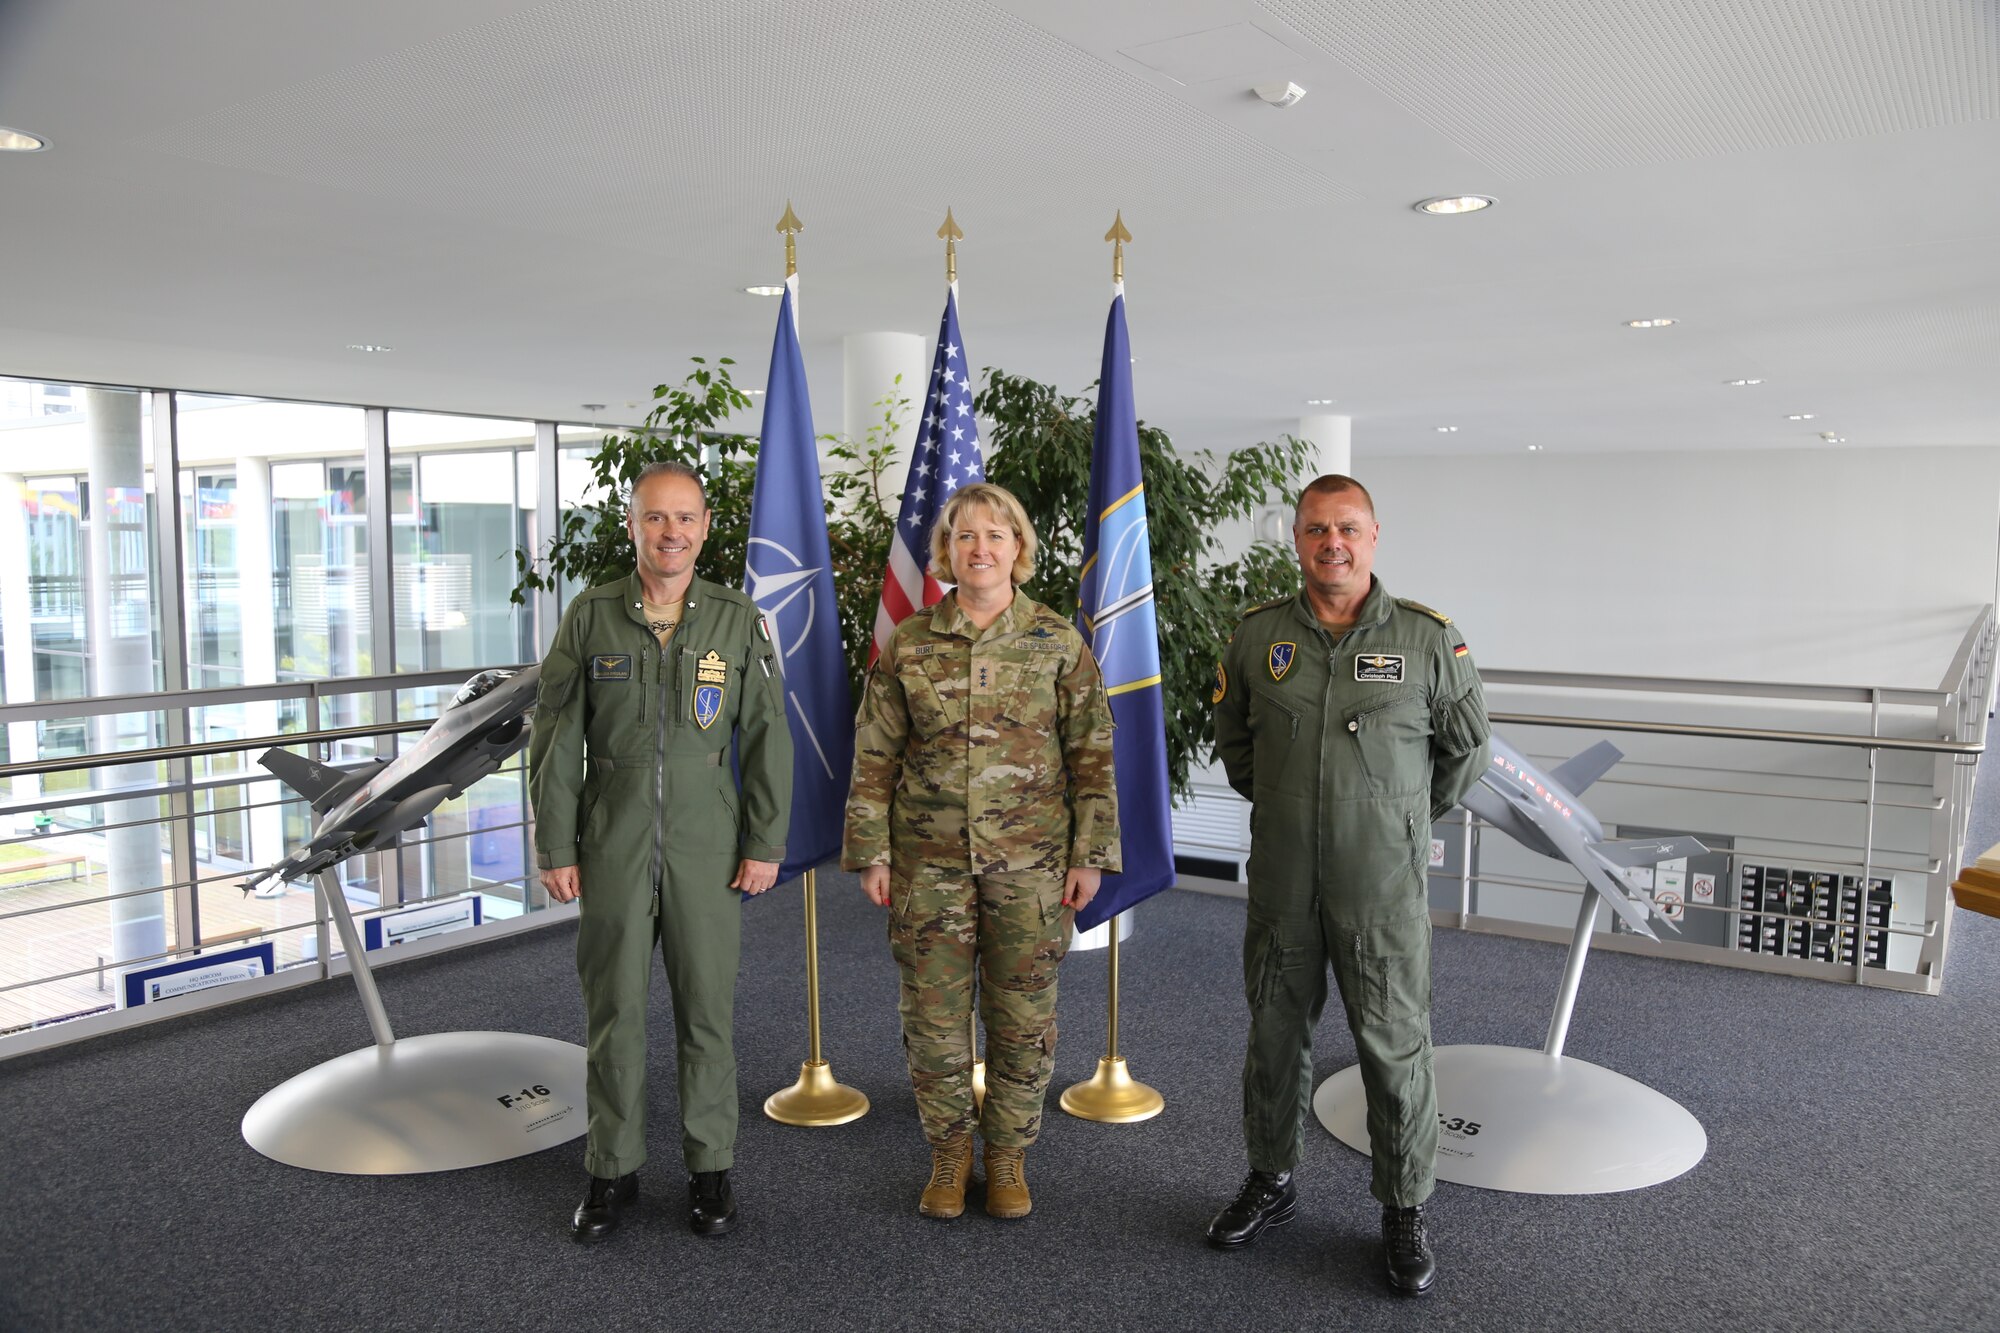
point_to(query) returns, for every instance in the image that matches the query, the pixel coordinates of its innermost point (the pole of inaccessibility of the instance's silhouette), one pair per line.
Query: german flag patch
(1460, 651)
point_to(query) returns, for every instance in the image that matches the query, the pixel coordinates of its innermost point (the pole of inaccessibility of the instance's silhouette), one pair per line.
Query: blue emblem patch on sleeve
(707, 705)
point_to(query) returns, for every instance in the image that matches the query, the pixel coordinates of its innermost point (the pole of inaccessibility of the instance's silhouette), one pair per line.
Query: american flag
(946, 457)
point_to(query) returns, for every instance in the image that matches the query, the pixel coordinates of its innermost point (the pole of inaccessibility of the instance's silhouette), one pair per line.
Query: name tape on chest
(611, 666)
(1383, 667)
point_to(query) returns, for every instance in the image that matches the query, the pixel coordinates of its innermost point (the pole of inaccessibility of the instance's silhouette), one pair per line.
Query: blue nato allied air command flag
(1117, 616)
(789, 575)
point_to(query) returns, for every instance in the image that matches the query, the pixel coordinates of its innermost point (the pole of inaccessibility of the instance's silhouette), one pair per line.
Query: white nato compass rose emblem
(778, 588)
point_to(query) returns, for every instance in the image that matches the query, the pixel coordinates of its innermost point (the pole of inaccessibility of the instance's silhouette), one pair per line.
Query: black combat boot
(1267, 1199)
(1406, 1251)
(597, 1215)
(711, 1203)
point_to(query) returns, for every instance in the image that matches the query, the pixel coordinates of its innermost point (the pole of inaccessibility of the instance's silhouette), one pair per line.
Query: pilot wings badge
(1281, 659)
(707, 705)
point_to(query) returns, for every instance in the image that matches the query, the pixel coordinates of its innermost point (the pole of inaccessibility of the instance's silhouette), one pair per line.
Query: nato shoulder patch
(1409, 605)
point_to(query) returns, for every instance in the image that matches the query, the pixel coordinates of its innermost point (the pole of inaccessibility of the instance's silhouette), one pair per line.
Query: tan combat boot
(951, 1164)
(1007, 1182)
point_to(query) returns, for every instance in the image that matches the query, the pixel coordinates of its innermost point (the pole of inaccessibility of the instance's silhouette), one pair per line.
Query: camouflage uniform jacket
(984, 749)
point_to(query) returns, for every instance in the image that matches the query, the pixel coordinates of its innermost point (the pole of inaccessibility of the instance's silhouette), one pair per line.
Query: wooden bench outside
(70, 859)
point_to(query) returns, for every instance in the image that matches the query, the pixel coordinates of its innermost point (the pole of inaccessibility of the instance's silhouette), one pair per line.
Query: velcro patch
(711, 670)
(611, 666)
(1385, 667)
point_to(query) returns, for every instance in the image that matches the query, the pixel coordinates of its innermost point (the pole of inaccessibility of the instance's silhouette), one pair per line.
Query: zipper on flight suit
(660, 776)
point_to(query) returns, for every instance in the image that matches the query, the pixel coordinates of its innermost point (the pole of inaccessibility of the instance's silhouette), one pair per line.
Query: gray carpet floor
(1852, 1179)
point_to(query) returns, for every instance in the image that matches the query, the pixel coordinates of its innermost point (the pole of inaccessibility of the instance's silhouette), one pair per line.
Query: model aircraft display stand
(1538, 1122)
(413, 1104)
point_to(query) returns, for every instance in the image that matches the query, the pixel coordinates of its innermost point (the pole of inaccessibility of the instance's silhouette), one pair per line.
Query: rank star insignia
(1379, 667)
(1281, 659)
(707, 705)
(711, 670)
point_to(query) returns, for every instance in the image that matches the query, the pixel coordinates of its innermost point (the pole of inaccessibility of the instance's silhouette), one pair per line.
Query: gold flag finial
(791, 226)
(951, 235)
(1118, 236)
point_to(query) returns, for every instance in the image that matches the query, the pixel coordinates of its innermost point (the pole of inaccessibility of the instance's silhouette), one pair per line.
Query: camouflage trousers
(1015, 930)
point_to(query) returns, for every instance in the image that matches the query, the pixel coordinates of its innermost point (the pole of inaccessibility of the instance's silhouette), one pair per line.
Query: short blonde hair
(998, 501)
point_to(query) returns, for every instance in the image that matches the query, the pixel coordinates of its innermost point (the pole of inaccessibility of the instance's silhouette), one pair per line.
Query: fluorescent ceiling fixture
(369, 347)
(1800, 416)
(765, 291)
(1649, 323)
(1447, 205)
(755, 393)
(591, 407)
(1320, 402)
(1741, 384)
(1447, 430)
(20, 141)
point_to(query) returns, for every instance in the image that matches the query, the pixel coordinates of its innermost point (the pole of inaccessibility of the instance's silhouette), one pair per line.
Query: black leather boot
(711, 1203)
(1406, 1251)
(597, 1215)
(1267, 1199)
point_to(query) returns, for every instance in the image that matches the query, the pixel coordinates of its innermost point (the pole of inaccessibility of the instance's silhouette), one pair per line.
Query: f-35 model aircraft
(363, 805)
(1540, 811)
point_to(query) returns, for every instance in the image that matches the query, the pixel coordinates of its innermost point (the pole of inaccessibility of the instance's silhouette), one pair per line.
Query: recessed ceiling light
(1800, 416)
(1534, 448)
(1447, 430)
(1832, 437)
(369, 347)
(20, 141)
(1741, 384)
(755, 393)
(591, 407)
(1320, 402)
(765, 291)
(1649, 323)
(1447, 205)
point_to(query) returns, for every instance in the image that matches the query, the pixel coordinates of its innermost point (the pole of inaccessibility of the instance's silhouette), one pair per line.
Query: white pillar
(17, 635)
(121, 660)
(1334, 437)
(256, 601)
(870, 363)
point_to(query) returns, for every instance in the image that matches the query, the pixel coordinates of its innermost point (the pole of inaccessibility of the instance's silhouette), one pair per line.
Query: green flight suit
(1347, 745)
(656, 825)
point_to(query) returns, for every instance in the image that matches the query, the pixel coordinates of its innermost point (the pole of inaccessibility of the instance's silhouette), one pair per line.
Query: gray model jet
(362, 805)
(1540, 811)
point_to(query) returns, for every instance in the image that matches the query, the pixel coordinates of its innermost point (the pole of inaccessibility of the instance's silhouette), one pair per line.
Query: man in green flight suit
(1350, 720)
(637, 819)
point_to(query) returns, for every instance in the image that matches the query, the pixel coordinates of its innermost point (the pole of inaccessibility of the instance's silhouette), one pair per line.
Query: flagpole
(818, 1098)
(1111, 1095)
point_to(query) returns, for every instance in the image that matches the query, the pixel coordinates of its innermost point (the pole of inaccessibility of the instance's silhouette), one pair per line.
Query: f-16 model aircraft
(362, 805)
(1540, 811)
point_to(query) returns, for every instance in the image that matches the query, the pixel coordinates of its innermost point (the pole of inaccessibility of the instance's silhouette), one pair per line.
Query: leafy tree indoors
(1040, 450)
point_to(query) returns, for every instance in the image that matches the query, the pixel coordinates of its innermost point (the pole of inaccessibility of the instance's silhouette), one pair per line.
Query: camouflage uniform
(982, 773)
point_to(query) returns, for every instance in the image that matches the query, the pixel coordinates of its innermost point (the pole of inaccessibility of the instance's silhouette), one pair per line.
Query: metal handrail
(219, 696)
(1741, 733)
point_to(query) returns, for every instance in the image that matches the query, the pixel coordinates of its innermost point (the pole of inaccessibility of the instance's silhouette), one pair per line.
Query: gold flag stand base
(816, 1099)
(1112, 1096)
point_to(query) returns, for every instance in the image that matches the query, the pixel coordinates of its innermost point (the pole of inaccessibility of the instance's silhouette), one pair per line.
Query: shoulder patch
(1409, 605)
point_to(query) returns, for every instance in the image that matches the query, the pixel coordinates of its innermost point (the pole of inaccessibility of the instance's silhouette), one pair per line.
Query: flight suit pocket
(1388, 737)
(1270, 966)
(1395, 967)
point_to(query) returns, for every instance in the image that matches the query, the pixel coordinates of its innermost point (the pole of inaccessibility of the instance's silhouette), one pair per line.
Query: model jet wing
(321, 784)
(1630, 852)
(1581, 769)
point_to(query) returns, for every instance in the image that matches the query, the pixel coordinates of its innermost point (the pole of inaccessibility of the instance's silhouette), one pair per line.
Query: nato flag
(1117, 616)
(790, 576)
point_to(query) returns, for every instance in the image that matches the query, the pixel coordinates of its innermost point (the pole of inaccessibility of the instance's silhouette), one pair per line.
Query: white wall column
(256, 601)
(121, 661)
(1333, 435)
(870, 363)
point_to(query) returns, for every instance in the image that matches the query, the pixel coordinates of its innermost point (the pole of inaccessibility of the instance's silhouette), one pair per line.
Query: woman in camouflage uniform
(982, 814)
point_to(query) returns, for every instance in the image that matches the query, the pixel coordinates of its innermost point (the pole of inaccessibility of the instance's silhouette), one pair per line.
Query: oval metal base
(817, 1100)
(1517, 1120)
(438, 1102)
(1112, 1096)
